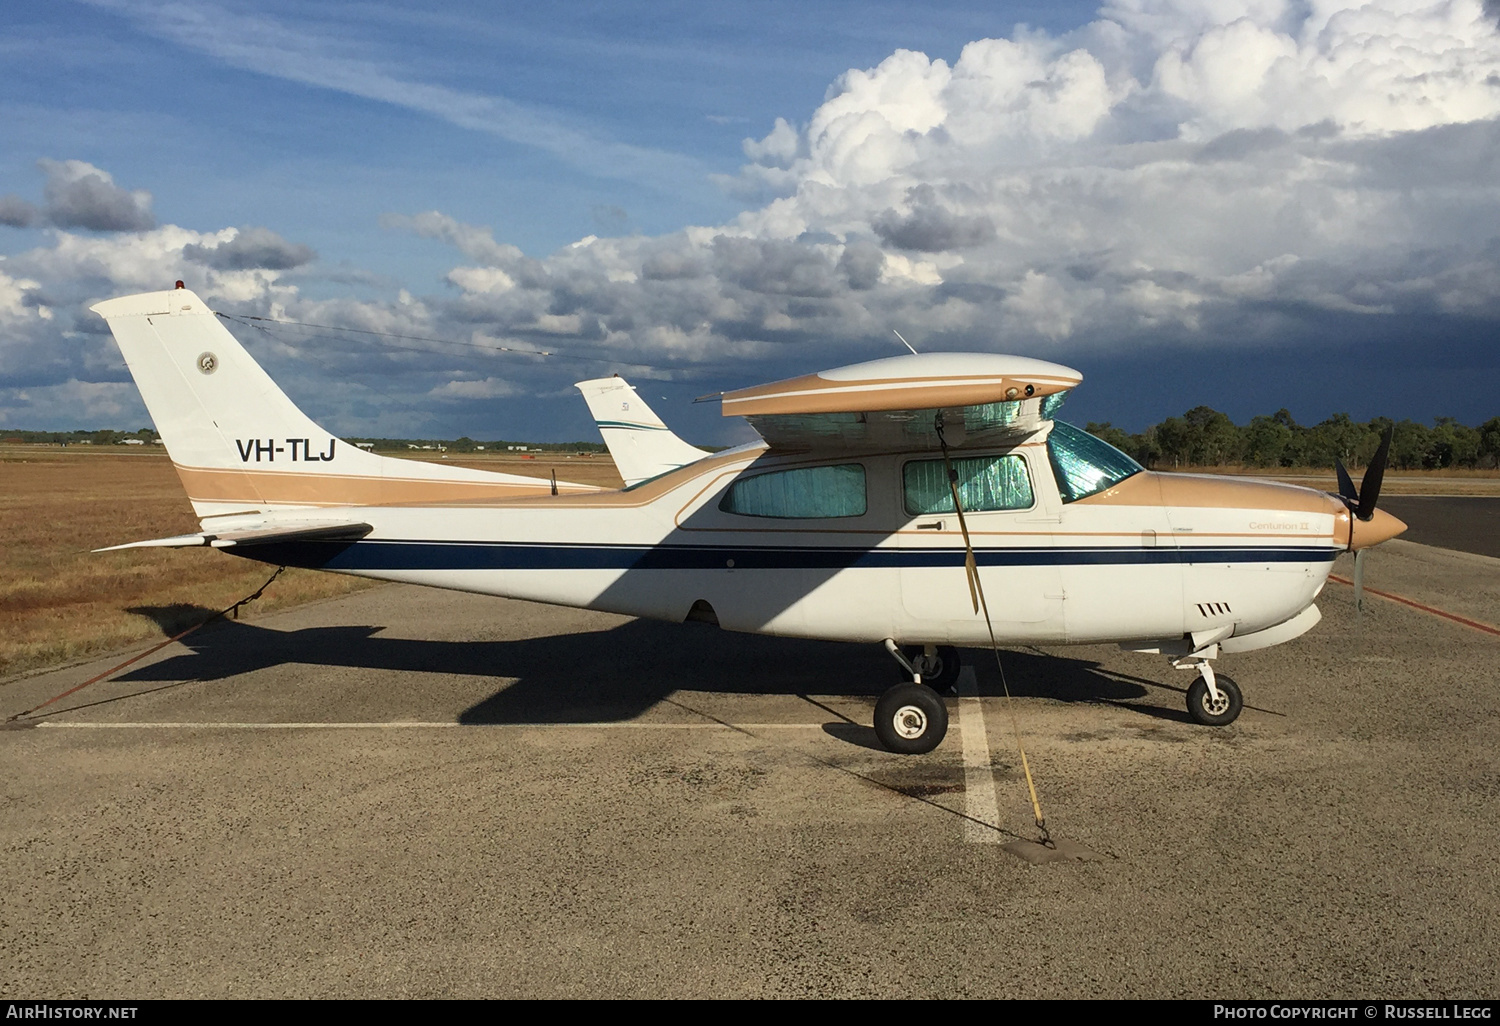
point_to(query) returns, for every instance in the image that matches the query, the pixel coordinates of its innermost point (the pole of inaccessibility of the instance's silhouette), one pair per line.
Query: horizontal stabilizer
(307, 530)
(180, 541)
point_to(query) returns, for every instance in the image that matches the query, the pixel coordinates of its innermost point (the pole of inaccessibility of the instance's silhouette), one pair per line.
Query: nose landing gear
(1213, 700)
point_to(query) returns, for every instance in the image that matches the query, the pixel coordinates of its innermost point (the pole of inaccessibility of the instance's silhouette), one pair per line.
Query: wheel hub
(1215, 706)
(910, 722)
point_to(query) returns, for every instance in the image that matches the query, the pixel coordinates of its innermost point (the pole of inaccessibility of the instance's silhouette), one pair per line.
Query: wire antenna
(905, 343)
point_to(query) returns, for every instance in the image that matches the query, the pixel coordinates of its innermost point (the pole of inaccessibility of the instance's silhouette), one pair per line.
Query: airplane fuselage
(1157, 556)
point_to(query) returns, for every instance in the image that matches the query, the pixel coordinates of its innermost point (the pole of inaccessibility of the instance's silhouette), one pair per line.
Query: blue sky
(224, 138)
(1246, 204)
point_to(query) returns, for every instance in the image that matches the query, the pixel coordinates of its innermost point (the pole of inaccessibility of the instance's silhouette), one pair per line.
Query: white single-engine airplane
(876, 490)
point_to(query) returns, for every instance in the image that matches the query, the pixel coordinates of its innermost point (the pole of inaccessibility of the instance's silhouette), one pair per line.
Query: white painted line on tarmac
(416, 725)
(979, 779)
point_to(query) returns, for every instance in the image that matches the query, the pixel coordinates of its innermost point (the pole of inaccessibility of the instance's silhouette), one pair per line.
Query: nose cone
(1380, 527)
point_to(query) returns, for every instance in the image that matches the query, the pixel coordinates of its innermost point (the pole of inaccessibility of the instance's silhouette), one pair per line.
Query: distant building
(367, 446)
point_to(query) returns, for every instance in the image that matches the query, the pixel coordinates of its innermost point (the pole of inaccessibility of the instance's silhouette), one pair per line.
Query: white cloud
(486, 388)
(252, 248)
(84, 404)
(481, 279)
(80, 195)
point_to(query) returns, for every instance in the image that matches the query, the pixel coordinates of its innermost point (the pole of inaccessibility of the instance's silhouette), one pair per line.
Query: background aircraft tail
(641, 445)
(240, 445)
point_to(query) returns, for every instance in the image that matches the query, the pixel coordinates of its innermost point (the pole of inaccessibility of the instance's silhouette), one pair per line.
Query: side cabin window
(802, 494)
(984, 483)
(1085, 464)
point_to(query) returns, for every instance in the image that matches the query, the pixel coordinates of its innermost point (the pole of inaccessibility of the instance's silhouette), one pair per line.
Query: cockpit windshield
(1084, 464)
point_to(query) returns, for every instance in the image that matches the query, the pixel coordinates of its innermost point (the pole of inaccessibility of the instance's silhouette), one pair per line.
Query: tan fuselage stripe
(205, 484)
(1148, 488)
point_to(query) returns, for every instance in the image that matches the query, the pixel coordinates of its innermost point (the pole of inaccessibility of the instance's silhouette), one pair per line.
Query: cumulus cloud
(17, 213)
(931, 226)
(80, 195)
(486, 388)
(88, 403)
(475, 243)
(1173, 170)
(251, 248)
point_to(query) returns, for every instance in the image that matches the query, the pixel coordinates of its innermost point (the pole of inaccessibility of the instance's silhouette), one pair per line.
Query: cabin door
(1011, 526)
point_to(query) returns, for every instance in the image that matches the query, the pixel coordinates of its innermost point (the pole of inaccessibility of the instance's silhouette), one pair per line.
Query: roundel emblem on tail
(207, 363)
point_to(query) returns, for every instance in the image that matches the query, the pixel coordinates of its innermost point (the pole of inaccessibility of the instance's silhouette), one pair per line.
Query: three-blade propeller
(1362, 504)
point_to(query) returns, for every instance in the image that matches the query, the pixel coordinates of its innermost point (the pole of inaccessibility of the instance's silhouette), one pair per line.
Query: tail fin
(240, 445)
(642, 446)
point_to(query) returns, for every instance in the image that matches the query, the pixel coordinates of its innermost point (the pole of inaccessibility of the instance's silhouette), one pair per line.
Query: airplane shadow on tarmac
(619, 673)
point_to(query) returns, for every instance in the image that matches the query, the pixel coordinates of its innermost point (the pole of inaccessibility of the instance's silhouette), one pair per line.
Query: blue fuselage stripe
(412, 555)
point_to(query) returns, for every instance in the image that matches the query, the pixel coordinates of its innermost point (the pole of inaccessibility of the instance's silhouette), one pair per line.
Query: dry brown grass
(60, 602)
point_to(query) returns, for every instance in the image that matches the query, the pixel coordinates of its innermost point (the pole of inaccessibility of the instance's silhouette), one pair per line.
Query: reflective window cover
(1085, 464)
(984, 483)
(805, 493)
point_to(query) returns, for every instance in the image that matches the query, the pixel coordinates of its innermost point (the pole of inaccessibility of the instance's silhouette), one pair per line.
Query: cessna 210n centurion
(876, 493)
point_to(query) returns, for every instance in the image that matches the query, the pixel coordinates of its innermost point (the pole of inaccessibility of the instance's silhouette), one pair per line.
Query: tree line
(1201, 437)
(1204, 437)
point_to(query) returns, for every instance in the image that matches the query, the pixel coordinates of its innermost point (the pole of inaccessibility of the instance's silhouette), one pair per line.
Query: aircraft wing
(893, 403)
(641, 445)
(283, 531)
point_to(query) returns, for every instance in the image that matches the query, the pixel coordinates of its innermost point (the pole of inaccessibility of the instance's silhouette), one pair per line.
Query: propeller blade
(1347, 491)
(1369, 487)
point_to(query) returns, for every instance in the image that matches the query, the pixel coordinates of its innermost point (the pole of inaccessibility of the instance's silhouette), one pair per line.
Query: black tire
(910, 719)
(949, 662)
(1202, 709)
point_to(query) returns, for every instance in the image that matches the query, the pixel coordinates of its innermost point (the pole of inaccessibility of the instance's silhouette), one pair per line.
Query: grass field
(59, 601)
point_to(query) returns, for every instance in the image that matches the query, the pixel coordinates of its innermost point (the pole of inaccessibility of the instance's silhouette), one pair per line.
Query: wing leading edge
(280, 532)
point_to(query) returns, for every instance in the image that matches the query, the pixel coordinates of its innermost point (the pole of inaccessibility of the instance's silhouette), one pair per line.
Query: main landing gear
(910, 718)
